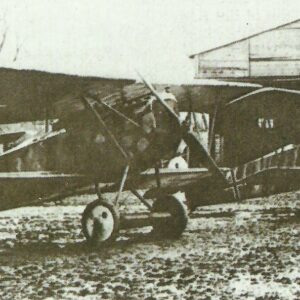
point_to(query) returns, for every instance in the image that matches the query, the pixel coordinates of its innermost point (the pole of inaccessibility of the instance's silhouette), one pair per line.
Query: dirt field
(236, 251)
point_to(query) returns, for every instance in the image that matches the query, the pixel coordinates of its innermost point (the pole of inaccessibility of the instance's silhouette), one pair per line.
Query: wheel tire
(171, 227)
(100, 223)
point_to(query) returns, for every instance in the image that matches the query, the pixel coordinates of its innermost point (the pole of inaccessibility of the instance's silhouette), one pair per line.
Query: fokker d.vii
(123, 139)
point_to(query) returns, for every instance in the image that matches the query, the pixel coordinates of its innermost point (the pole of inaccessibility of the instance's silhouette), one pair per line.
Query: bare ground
(236, 251)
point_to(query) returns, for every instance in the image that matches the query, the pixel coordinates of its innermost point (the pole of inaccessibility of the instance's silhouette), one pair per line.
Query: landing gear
(100, 223)
(101, 220)
(173, 225)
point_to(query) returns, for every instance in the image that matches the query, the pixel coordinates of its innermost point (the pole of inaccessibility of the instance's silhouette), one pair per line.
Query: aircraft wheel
(170, 227)
(100, 223)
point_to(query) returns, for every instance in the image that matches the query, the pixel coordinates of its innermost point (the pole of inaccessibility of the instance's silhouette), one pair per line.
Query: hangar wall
(275, 52)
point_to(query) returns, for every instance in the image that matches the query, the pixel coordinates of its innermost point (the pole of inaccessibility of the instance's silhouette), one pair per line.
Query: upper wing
(203, 95)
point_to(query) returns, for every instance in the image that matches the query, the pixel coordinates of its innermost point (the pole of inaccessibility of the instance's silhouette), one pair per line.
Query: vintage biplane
(122, 140)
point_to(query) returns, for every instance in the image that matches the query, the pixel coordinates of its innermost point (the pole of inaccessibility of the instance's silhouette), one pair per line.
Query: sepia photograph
(150, 150)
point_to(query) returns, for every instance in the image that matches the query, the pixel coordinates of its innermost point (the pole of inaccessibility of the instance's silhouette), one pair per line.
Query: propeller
(190, 138)
(160, 99)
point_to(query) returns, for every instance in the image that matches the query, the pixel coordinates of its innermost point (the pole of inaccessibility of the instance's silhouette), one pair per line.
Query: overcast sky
(113, 38)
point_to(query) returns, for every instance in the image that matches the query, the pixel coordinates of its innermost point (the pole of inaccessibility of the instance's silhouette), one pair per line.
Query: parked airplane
(122, 138)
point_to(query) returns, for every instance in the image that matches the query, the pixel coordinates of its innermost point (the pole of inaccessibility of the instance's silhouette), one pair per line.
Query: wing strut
(91, 104)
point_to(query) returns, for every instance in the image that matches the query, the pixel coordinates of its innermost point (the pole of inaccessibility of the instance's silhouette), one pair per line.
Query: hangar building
(271, 53)
(257, 122)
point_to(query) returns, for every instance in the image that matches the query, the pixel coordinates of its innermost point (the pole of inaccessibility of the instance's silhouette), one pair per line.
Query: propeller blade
(159, 98)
